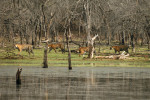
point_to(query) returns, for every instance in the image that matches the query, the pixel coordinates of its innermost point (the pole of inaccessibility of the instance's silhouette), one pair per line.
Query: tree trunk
(13, 37)
(148, 42)
(91, 47)
(21, 39)
(123, 38)
(132, 43)
(129, 39)
(88, 29)
(148, 35)
(91, 51)
(33, 40)
(79, 28)
(69, 53)
(44, 25)
(109, 32)
(142, 40)
(99, 42)
(90, 41)
(27, 35)
(148, 45)
(18, 76)
(45, 62)
(120, 38)
(40, 33)
(64, 36)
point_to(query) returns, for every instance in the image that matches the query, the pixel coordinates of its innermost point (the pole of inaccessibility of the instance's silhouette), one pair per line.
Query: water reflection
(82, 83)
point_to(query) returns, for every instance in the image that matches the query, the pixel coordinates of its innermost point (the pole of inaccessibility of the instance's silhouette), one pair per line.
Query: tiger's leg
(115, 51)
(55, 50)
(28, 50)
(81, 52)
(84, 54)
(62, 50)
(19, 51)
(29, 53)
(50, 49)
(31, 50)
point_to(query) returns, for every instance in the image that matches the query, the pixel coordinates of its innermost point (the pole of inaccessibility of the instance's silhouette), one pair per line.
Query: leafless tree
(112, 20)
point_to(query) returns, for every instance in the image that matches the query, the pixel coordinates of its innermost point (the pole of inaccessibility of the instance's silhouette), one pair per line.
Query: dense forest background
(115, 21)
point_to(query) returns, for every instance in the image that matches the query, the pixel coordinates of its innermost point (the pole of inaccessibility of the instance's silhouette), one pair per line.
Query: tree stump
(18, 77)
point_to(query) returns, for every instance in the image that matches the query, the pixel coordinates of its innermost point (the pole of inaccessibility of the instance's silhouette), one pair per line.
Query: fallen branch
(121, 56)
(45, 41)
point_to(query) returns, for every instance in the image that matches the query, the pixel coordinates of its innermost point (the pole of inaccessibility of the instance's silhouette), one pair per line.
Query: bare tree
(113, 20)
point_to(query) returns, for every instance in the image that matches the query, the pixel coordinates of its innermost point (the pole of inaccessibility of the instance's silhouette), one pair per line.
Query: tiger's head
(16, 45)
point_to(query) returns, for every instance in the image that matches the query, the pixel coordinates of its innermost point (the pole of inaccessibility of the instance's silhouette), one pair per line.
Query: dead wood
(121, 56)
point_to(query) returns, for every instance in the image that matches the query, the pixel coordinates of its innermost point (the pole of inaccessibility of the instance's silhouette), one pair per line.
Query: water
(82, 83)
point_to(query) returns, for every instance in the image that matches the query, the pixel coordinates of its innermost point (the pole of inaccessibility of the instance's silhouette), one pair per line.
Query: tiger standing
(27, 47)
(56, 46)
(83, 50)
(120, 48)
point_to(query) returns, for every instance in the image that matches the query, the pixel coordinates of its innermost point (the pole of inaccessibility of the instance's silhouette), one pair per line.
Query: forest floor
(141, 58)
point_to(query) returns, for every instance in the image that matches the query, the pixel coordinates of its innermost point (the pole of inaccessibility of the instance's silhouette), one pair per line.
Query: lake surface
(81, 83)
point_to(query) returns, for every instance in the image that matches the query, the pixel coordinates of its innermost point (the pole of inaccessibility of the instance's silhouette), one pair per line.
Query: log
(121, 56)
(18, 76)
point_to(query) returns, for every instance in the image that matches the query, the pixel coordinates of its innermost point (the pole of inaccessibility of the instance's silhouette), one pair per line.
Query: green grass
(139, 59)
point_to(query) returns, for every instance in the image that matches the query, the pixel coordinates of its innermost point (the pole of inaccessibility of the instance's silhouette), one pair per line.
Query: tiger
(120, 48)
(27, 47)
(56, 46)
(83, 50)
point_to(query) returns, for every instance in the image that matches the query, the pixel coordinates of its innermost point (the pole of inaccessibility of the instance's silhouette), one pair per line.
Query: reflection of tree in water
(68, 89)
(45, 88)
(91, 84)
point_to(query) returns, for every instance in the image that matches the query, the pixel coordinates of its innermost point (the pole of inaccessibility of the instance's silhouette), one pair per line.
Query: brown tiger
(120, 48)
(83, 50)
(27, 47)
(56, 46)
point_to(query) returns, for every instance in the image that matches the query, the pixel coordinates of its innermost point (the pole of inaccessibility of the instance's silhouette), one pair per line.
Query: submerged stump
(18, 77)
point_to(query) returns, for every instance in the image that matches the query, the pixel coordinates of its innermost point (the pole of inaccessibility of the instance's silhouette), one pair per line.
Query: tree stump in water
(45, 62)
(18, 77)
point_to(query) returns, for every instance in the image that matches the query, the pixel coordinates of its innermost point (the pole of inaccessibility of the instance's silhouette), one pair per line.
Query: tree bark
(88, 21)
(148, 40)
(123, 38)
(45, 62)
(132, 43)
(36, 34)
(69, 53)
(109, 32)
(91, 47)
(148, 45)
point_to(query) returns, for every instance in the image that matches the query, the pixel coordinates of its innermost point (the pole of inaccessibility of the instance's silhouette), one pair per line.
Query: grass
(139, 59)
